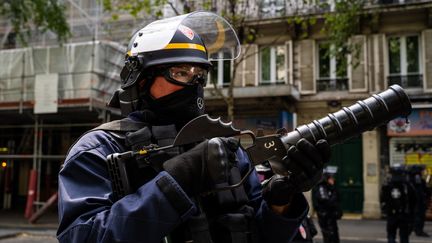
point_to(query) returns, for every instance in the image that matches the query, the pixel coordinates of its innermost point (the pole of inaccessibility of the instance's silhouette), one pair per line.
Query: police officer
(422, 193)
(398, 200)
(174, 194)
(326, 202)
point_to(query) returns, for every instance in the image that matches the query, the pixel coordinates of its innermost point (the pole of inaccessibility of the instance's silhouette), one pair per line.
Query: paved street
(15, 229)
(29, 238)
(368, 231)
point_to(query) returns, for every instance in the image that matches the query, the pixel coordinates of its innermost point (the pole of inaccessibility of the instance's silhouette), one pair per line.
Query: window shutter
(289, 62)
(238, 79)
(307, 75)
(358, 77)
(427, 60)
(379, 62)
(250, 65)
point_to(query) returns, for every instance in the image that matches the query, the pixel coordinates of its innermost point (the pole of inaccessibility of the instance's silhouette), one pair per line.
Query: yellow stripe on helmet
(185, 46)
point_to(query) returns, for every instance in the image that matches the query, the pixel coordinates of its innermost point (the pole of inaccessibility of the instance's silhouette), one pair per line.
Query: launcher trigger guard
(230, 187)
(249, 133)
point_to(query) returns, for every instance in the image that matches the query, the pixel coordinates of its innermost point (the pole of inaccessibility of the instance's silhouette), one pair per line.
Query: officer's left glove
(304, 164)
(203, 166)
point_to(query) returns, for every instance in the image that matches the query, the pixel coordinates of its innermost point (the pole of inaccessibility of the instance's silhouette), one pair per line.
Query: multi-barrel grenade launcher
(335, 128)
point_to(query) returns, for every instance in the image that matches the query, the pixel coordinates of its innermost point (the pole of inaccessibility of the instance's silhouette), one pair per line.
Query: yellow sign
(420, 159)
(426, 159)
(412, 158)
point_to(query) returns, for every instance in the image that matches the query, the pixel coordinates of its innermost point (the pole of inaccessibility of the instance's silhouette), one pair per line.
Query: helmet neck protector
(178, 107)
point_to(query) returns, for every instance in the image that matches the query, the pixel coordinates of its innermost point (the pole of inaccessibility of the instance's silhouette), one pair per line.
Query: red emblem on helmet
(186, 31)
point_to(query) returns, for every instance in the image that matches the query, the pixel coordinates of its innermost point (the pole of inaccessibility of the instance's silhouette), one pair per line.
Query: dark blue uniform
(326, 202)
(89, 213)
(422, 194)
(398, 202)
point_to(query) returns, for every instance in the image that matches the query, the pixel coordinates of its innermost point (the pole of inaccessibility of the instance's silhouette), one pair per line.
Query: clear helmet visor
(219, 37)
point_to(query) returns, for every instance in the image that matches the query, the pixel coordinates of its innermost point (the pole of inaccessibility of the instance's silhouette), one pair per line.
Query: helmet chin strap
(144, 91)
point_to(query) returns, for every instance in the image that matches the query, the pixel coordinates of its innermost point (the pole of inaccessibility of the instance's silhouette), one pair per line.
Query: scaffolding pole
(39, 164)
(35, 141)
(30, 156)
(52, 125)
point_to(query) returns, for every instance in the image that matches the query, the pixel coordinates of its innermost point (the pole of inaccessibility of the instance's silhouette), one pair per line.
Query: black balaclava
(178, 107)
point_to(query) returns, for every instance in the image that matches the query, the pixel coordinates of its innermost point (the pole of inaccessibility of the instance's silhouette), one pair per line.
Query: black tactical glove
(205, 165)
(304, 163)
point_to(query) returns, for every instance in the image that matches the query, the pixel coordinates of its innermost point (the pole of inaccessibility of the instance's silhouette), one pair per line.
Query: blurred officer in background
(398, 200)
(422, 193)
(326, 202)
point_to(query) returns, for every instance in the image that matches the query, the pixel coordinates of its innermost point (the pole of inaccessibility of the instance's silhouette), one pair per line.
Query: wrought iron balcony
(409, 81)
(336, 84)
(267, 9)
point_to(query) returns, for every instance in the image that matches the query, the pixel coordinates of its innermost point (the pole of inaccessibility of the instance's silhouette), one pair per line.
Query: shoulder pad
(123, 125)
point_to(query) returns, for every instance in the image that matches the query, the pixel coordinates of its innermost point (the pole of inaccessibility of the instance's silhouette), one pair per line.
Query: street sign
(46, 93)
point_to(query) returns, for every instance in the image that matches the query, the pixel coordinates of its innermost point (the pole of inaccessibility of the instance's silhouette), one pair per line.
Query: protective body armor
(396, 198)
(325, 199)
(397, 202)
(224, 216)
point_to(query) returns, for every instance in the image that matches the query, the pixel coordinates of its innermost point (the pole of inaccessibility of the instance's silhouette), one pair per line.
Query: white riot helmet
(194, 38)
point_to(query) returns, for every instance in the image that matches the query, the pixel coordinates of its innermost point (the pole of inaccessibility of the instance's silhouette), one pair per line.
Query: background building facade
(285, 79)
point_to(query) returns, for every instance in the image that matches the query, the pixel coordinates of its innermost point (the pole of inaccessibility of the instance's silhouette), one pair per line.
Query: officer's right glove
(205, 165)
(305, 163)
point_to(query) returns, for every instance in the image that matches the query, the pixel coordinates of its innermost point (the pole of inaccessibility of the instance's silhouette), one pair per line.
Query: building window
(391, 1)
(404, 61)
(220, 72)
(272, 8)
(332, 72)
(272, 61)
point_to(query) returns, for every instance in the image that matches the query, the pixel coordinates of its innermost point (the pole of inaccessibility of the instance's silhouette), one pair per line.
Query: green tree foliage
(40, 15)
(133, 7)
(340, 26)
(340, 22)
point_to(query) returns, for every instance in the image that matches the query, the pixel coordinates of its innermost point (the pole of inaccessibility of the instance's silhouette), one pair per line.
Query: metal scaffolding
(85, 76)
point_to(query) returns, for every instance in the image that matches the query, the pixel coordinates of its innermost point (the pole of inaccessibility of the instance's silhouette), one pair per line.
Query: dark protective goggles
(185, 74)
